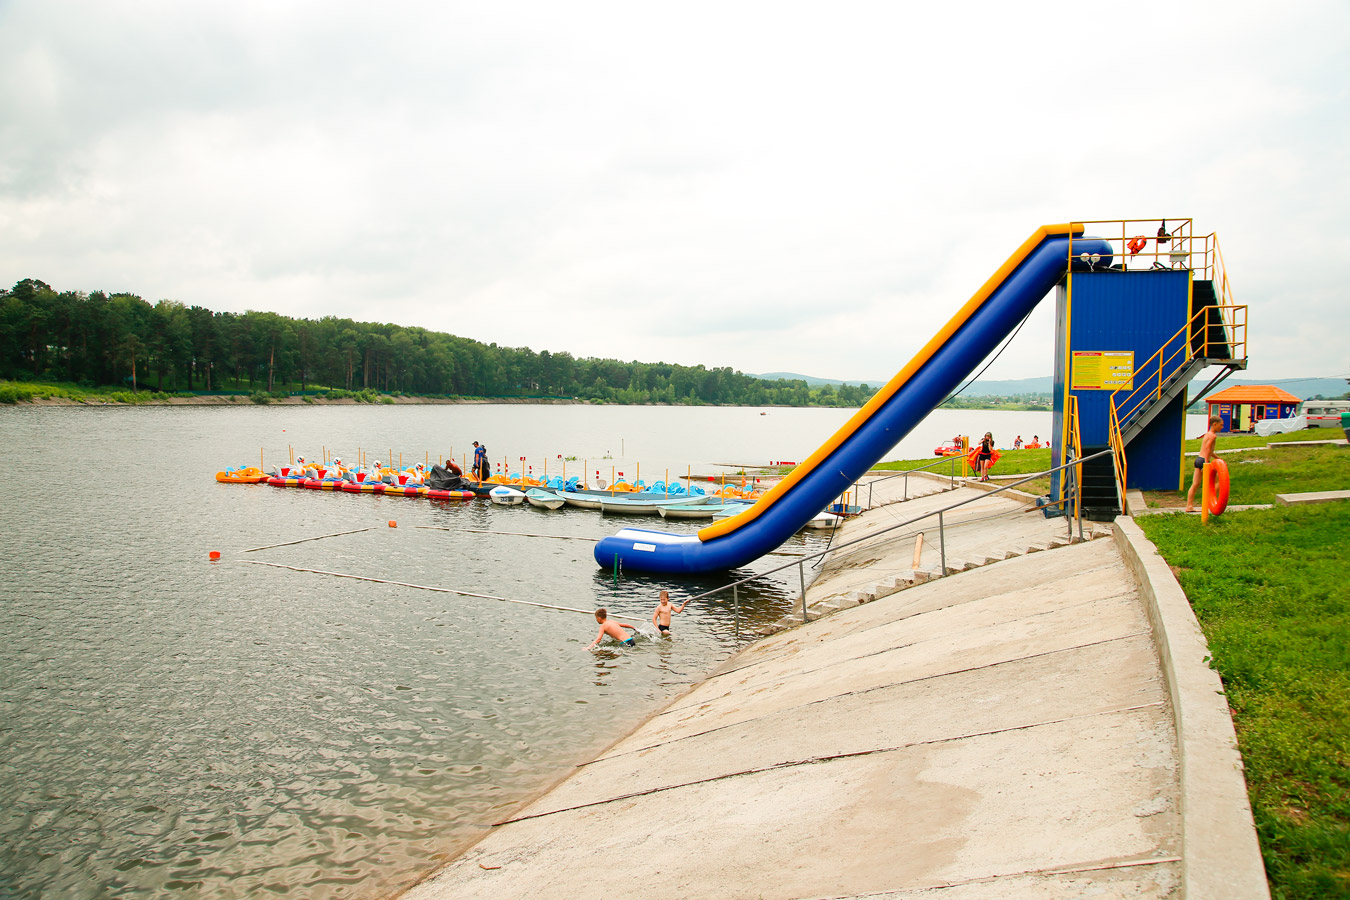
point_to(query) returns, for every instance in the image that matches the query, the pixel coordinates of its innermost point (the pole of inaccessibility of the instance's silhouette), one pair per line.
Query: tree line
(97, 338)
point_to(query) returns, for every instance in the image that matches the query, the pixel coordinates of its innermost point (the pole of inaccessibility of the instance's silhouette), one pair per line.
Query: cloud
(787, 189)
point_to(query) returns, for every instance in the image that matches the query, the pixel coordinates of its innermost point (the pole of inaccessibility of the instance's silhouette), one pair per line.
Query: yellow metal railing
(1136, 246)
(1152, 374)
(1116, 438)
(1075, 447)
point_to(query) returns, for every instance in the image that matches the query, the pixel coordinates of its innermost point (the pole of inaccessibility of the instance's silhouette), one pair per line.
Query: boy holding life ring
(1206, 455)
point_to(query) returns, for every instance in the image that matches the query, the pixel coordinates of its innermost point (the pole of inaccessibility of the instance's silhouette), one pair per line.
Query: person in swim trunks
(661, 615)
(1206, 455)
(613, 629)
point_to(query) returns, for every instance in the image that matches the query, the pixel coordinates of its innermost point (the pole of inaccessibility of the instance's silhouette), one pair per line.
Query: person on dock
(1206, 454)
(1017, 444)
(613, 629)
(661, 615)
(481, 469)
(453, 469)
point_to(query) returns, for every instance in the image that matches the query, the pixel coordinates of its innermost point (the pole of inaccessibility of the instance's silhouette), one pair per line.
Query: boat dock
(1039, 724)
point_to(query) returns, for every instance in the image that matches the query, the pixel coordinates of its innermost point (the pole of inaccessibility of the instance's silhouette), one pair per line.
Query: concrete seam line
(831, 757)
(857, 693)
(973, 628)
(988, 879)
(1218, 837)
(303, 540)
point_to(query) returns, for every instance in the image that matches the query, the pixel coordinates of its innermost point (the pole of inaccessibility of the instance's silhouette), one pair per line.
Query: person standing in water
(661, 615)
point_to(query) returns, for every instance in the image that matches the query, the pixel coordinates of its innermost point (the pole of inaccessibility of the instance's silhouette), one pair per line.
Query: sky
(792, 187)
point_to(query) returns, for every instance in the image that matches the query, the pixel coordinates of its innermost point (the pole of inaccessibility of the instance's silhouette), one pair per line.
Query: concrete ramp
(1004, 732)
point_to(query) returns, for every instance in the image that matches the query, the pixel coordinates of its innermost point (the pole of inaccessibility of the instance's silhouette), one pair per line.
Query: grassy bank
(66, 392)
(1271, 589)
(1256, 476)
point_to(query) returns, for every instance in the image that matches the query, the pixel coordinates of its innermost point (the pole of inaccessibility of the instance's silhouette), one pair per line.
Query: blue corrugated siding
(1134, 311)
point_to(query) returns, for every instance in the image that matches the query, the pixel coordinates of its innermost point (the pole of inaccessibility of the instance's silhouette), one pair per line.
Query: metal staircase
(1207, 344)
(1215, 335)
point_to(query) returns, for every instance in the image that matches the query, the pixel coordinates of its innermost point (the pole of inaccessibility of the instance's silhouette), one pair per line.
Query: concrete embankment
(1003, 732)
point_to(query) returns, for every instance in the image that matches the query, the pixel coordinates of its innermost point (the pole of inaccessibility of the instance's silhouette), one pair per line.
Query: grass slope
(1271, 589)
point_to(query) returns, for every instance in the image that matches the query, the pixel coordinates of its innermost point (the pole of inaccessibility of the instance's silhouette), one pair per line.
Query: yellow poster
(1102, 370)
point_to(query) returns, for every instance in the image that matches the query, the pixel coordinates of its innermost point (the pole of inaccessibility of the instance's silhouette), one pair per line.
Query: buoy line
(427, 587)
(561, 537)
(303, 540)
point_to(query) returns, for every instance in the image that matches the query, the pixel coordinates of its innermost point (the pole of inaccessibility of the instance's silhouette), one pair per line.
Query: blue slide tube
(1025, 281)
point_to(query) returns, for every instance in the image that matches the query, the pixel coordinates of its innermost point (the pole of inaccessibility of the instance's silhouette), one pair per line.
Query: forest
(119, 339)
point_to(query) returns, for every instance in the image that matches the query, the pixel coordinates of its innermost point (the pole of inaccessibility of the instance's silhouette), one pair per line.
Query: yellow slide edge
(731, 523)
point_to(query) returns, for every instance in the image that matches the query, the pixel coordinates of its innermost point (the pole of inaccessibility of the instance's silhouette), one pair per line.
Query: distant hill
(1302, 388)
(978, 389)
(812, 381)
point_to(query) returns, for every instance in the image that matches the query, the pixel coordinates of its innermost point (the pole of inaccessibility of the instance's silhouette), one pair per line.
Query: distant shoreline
(386, 400)
(48, 394)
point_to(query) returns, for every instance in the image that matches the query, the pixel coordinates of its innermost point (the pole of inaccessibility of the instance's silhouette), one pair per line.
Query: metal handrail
(1116, 438)
(1076, 452)
(1184, 332)
(905, 473)
(801, 561)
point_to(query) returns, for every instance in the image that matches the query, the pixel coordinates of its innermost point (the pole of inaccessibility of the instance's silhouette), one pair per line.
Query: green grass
(1228, 441)
(1271, 589)
(27, 392)
(1256, 476)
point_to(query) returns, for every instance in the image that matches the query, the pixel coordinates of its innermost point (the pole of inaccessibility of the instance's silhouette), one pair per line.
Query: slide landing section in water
(934, 372)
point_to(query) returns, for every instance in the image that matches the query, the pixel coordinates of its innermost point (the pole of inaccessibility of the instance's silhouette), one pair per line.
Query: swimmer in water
(613, 629)
(661, 615)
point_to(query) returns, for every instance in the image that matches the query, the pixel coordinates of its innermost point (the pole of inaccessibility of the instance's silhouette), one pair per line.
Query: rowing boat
(700, 511)
(544, 499)
(633, 507)
(506, 496)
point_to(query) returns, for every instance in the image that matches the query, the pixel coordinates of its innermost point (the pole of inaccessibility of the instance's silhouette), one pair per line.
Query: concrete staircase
(857, 575)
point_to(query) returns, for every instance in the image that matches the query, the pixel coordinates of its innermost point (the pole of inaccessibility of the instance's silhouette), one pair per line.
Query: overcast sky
(773, 187)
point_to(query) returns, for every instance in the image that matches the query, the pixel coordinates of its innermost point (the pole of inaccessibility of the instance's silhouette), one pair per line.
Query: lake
(225, 729)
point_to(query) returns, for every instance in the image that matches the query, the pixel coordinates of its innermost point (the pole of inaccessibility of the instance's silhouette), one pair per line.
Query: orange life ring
(1137, 243)
(1217, 475)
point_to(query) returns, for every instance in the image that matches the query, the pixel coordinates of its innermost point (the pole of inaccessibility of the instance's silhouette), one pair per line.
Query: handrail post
(736, 601)
(801, 573)
(906, 484)
(942, 544)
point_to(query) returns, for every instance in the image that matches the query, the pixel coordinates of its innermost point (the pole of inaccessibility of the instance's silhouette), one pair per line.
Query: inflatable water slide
(935, 371)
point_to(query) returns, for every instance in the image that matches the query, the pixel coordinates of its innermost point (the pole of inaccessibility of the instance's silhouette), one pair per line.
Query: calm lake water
(226, 729)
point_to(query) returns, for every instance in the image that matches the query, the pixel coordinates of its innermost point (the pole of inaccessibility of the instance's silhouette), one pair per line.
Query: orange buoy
(393, 524)
(1218, 487)
(215, 554)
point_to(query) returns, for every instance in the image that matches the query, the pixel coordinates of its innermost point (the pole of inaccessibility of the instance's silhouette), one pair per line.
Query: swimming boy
(613, 629)
(1206, 455)
(661, 615)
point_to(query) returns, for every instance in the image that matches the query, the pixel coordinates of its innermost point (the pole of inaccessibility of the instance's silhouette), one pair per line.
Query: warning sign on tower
(1102, 370)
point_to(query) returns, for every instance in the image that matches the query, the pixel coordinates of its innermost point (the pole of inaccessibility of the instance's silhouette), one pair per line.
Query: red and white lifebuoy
(1216, 473)
(1136, 244)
